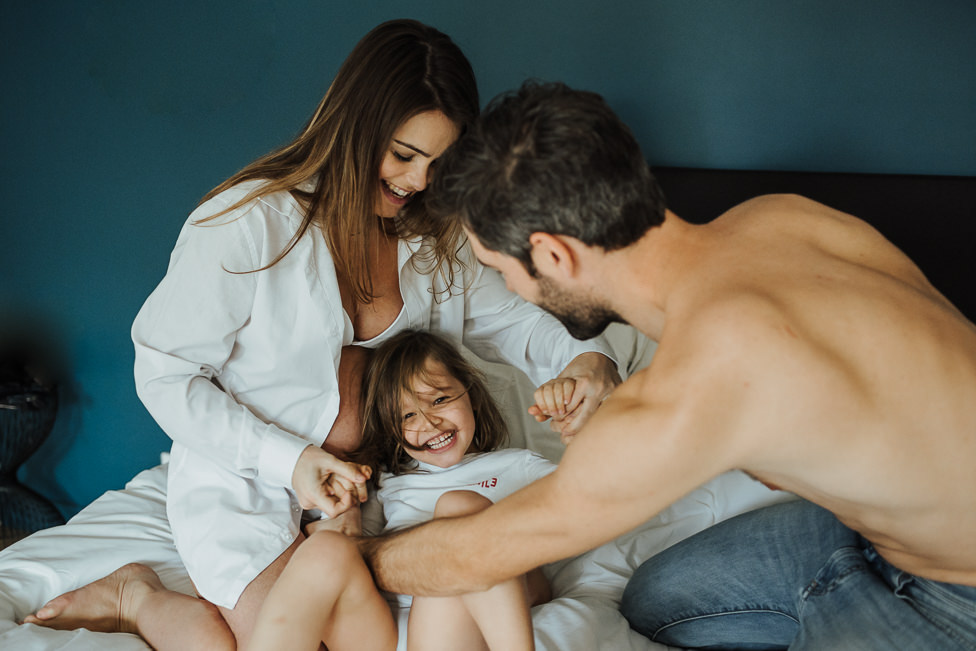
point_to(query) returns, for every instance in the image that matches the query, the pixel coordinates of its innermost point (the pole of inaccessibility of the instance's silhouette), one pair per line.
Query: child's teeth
(440, 441)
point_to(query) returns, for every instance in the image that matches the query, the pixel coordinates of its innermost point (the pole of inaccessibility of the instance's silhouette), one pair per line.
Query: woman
(311, 253)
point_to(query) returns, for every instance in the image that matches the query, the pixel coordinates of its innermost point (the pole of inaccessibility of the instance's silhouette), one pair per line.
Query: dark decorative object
(27, 410)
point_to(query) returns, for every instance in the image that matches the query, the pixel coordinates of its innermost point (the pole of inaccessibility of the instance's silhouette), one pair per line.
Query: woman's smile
(406, 166)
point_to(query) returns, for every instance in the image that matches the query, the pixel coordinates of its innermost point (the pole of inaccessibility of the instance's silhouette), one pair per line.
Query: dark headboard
(930, 218)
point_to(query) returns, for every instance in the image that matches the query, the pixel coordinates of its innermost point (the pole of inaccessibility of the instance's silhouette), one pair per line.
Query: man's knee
(649, 593)
(458, 503)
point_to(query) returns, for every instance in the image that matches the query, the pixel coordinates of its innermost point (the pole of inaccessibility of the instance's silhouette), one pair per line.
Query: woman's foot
(108, 605)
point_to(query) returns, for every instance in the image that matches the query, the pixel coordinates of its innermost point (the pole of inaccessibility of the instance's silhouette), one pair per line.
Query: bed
(130, 525)
(929, 217)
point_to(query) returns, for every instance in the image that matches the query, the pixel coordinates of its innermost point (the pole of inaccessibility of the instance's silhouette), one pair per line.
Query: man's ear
(553, 255)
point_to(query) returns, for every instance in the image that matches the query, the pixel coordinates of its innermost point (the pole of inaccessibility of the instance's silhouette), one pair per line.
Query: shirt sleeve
(502, 327)
(185, 334)
(536, 466)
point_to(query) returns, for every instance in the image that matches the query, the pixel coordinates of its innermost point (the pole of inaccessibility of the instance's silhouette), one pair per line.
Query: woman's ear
(553, 255)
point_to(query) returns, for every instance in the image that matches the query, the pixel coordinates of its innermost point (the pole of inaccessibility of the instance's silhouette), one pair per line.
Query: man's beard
(582, 319)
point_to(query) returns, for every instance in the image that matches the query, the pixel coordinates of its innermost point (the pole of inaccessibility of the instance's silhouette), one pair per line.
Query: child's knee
(329, 548)
(457, 503)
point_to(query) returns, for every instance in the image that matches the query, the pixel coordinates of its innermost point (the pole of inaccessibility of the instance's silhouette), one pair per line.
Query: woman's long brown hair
(399, 69)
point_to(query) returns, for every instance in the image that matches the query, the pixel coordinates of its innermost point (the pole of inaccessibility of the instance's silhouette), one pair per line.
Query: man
(795, 343)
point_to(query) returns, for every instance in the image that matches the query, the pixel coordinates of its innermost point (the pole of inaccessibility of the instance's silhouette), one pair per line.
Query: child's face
(440, 420)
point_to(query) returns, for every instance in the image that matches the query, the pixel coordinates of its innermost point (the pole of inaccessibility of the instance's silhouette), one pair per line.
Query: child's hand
(349, 523)
(555, 399)
(327, 483)
(594, 377)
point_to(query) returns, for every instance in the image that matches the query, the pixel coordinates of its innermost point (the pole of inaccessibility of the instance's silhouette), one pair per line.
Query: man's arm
(629, 462)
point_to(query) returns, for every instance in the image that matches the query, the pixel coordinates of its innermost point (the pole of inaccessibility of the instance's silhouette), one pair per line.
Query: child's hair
(388, 378)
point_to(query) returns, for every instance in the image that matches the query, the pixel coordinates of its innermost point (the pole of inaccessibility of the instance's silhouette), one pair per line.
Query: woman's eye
(400, 157)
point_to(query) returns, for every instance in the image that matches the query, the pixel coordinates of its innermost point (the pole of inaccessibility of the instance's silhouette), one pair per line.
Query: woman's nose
(418, 177)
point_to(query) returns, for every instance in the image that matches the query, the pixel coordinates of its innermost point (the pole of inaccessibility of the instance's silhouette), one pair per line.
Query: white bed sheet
(130, 526)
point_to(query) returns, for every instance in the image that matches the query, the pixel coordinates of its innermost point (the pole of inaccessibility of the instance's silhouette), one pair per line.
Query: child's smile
(437, 417)
(441, 442)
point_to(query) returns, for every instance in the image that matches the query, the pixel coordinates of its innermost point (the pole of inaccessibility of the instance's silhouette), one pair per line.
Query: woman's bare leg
(133, 600)
(498, 618)
(325, 594)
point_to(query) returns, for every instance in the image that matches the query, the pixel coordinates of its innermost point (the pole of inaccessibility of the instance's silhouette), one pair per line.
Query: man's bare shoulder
(646, 446)
(778, 205)
(725, 322)
(791, 219)
(704, 359)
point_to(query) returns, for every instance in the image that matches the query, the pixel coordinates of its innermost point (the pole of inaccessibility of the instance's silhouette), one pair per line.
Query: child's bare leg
(442, 624)
(325, 594)
(540, 592)
(503, 615)
(498, 618)
(242, 617)
(133, 600)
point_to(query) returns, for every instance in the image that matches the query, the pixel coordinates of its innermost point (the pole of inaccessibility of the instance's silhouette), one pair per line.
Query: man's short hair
(548, 158)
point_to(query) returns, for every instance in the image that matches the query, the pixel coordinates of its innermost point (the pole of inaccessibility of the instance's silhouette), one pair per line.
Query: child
(430, 434)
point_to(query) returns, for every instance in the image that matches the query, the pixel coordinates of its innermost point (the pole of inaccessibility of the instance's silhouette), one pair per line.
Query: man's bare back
(852, 379)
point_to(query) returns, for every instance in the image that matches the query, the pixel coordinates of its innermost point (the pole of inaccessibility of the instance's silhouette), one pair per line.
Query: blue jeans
(792, 576)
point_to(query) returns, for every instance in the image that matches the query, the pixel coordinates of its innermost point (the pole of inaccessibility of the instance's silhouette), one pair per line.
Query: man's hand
(326, 483)
(580, 387)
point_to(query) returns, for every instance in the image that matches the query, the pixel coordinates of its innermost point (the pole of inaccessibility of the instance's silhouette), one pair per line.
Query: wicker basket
(27, 412)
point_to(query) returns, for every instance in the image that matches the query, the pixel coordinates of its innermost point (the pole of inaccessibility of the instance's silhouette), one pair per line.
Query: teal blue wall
(117, 116)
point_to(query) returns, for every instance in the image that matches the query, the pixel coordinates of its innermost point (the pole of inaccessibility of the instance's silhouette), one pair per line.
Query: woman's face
(437, 418)
(406, 166)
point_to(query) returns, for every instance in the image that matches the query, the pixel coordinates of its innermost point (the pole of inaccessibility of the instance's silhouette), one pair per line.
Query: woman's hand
(324, 482)
(574, 395)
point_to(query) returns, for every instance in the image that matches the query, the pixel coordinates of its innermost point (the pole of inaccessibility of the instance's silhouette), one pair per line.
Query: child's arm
(348, 523)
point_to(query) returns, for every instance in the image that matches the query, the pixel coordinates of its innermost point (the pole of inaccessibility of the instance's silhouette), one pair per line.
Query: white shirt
(239, 369)
(410, 498)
